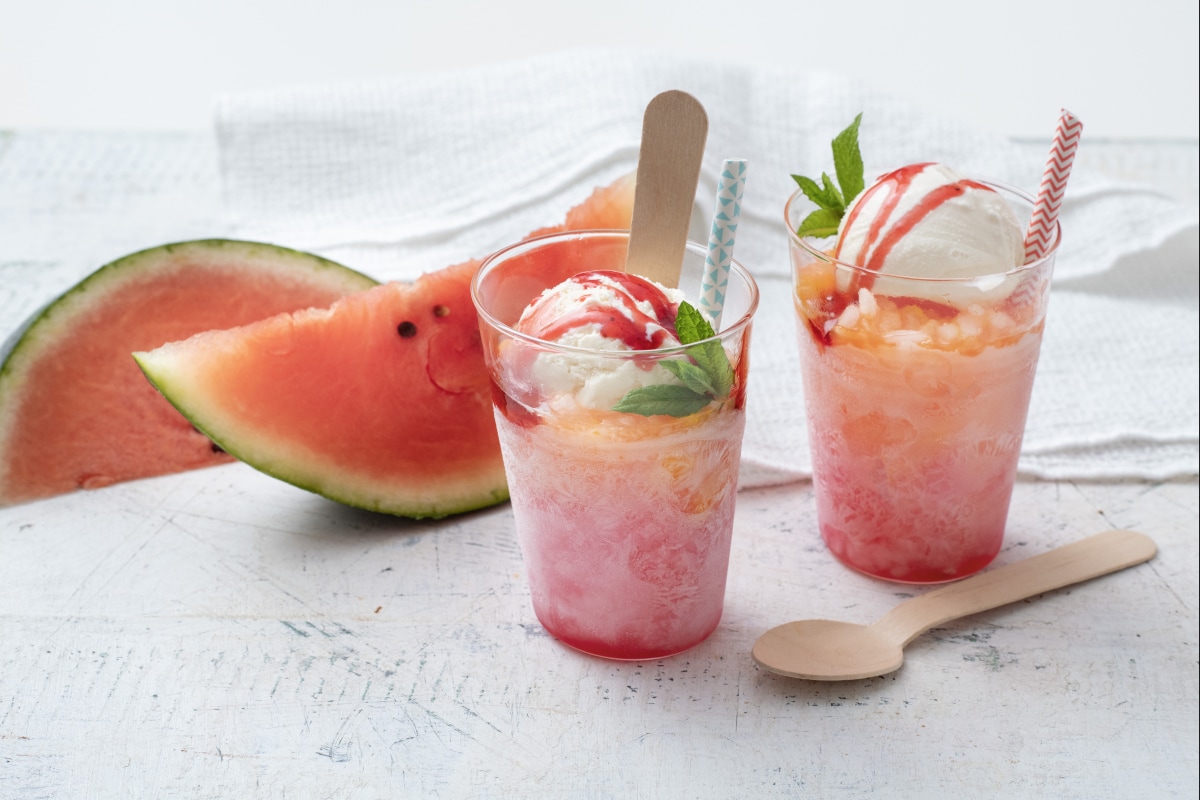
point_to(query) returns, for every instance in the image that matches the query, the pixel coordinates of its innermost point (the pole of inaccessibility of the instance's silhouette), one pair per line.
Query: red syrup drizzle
(896, 184)
(829, 310)
(623, 321)
(512, 410)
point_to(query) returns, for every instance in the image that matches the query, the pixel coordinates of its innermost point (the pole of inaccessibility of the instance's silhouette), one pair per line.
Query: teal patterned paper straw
(730, 187)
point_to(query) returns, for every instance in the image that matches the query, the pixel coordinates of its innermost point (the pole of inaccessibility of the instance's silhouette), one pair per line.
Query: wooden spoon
(674, 129)
(825, 650)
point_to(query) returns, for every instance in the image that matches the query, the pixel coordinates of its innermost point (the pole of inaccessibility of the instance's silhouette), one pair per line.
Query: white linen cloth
(399, 177)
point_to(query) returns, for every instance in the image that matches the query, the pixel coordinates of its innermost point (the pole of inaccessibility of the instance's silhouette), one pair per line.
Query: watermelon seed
(406, 329)
(441, 311)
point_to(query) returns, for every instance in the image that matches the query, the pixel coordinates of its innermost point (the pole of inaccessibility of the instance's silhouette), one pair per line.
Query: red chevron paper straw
(1053, 186)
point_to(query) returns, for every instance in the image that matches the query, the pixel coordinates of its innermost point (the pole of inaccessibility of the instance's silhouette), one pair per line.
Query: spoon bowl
(827, 650)
(844, 651)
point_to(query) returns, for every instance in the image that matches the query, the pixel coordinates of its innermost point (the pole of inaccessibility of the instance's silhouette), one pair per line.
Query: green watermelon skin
(75, 410)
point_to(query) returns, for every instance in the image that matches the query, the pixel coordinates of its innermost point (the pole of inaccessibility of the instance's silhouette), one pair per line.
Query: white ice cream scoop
(927, 221)
(598, 314)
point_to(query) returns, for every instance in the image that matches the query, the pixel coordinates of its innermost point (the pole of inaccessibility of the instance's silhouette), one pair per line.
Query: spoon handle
(1088, 558)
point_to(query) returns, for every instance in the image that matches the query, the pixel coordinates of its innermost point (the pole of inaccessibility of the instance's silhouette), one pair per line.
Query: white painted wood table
(221, 634)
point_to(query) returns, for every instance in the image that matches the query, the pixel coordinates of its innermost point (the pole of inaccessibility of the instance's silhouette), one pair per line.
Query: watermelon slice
(75, 411)
(380, 401)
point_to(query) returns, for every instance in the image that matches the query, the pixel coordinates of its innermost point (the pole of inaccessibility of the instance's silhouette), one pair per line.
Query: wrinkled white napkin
(399, 177)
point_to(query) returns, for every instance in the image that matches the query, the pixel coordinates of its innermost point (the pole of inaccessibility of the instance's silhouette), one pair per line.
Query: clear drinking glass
(624, 521)
(916, 392)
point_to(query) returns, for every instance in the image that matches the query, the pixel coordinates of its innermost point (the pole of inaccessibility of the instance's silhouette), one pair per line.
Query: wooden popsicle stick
(674, 130)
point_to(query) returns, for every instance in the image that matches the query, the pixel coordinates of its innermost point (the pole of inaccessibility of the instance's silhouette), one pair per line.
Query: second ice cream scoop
(927, 221)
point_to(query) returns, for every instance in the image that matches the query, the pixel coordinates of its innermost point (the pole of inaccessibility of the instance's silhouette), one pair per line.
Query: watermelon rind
(243, 388)
(48, 327)
(292, 464)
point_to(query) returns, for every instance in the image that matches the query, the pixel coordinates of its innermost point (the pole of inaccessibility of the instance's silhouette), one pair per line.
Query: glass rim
(1002, 188)
(612, 233)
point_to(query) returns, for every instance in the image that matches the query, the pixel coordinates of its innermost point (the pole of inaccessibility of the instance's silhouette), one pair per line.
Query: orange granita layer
(867, 320)
(616, 426)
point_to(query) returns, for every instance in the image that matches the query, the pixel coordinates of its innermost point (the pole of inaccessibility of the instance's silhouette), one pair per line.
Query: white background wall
(1127, 68)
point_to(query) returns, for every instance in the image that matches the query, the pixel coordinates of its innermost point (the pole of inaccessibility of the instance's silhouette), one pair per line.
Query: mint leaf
(847, 161)
(711, 358)
(820, 223)
(832, 199)
(821, 195)
(664, 398)
(706, 377)
(831, 191)
(693, 377)
(690, 324)
(690, 327)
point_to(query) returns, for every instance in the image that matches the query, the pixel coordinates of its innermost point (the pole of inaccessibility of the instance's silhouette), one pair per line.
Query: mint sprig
(832, 200)
(663, 398)
(707, 377)
(710, 356)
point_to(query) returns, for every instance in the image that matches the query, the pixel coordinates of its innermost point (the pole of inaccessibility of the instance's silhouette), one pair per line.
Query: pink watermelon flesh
(381, 401)
(76, 412)
(383, 385)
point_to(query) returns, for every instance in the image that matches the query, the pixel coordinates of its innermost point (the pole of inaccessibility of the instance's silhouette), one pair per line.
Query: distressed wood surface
(221, 634)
